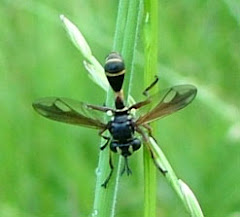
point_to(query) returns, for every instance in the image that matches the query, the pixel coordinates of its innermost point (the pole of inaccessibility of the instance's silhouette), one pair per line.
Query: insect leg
(149, 129)
(145, 92)
(163, 171)
(111, 171)
(106, 144)
(105, 137)
(126, 167)
(146, 141)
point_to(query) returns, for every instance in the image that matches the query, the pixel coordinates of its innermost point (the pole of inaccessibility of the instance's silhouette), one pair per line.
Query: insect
(125, 121)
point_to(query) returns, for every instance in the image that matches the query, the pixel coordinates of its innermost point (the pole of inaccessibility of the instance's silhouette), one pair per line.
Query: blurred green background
(47, 169)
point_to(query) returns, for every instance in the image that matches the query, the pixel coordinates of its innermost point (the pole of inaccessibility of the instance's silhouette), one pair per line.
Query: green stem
(150, 56)
(125, 40)
(134, 18)
(120, 25)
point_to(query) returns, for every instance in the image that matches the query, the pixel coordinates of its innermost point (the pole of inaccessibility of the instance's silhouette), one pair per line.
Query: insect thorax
(122, 129)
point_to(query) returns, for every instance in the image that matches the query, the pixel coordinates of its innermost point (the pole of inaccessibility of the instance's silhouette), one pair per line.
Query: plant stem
(150, 59)
(134, 18)
(125, 40)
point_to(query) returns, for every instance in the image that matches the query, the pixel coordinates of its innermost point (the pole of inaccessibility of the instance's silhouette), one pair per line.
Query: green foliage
(48, 168)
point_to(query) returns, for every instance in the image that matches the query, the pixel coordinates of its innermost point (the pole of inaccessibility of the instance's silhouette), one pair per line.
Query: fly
(124, 123)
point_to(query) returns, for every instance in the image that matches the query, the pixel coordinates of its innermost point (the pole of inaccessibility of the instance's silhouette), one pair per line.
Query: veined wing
(165, 103)
(68, 111)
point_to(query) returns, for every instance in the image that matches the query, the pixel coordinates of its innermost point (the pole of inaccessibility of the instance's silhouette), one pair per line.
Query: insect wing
(165, 103)
(68, 111)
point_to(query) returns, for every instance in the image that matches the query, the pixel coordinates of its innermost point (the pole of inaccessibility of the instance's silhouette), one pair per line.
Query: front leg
(104, 184)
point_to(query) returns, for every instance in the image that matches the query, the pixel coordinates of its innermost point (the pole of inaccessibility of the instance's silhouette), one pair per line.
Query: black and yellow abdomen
(115, 70)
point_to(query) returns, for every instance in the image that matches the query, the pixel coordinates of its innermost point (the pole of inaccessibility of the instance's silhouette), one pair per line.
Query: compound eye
(136, 144)
(114, 146)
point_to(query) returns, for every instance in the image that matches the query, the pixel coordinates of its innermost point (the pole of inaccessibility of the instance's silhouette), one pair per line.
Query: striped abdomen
(115, 70)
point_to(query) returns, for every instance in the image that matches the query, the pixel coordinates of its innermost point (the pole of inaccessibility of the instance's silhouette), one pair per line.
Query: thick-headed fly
(125, 120)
